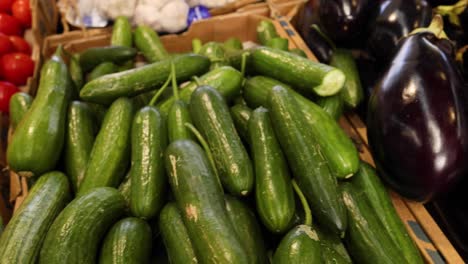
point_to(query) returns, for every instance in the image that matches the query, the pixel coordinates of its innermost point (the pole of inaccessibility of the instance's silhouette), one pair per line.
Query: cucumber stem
(207, 149)
(197, 80)
(305, 204)
(243, 63)
(160, 91)
(196, 45)
(175, 88)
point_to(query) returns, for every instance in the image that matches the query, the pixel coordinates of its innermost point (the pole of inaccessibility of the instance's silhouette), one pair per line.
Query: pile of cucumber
(215, 156)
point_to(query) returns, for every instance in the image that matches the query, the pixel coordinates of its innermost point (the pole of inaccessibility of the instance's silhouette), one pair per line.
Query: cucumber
(352, 92)
(226, 80)
(266, 31)
(92, 57)
(335, 145)
(232, 44)
(148, 177)
(278, 43)
(379, 200)
(44, 122)
(300, 245)
(298, 52)
(127, 242)
(201, 203)
(240, 116)
(109, 157)
(274, 194)
(19, 105)
(75, 235)
(76, 73)
(366, 238)
(79, 140)
(140, 80)
(246, 226)
(332, 248)
(175, 236)
(102, 69)
(148, 42)
(307, 76)
(121, 32)
(308, 165)
(215, 52)
(177, 117)
(332, 105)
(22, 238)
(125, 188)
(211, 116)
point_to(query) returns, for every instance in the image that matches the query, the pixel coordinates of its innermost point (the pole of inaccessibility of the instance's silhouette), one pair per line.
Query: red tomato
(5, 6)
(16, 67)
(22, 11)
(6, 91)
(5, 44)
(10, 25)
(20, 45)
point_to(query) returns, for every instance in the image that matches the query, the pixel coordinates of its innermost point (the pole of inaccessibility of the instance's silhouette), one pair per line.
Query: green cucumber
(75, 235)
(43, 123)
(352, 92)
(298, 52)
(379, 200)
(102, 69)
(175, 236)
(226, 80)
(99, 112)
(240, 116)
(111, 150)
(79, 140)
(246, 226)
(121, 32)
(125, 188)
(177, 117)
(274, 194)
(211, 116)
(22, 238)
(232, 44)
(332, 248)
(266, 31)
(215, 52)
(19, 105)
(127, 242)
(201, 202)
(307, 76)
(148, 177)
(278, 43)
(335, 145)
(366, 239)
(148, 42)
(308, 165)
(92, 57)
(300, 245)
(76, 73)
(332, 105)
(140, 80)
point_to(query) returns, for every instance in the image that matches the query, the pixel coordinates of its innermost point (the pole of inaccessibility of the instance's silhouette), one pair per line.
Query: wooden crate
(428, 237)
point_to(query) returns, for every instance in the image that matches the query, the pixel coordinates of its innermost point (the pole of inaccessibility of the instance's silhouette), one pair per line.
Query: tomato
(22, 11)
(10, 25)
(20, 45)
(5, 6)
(6, 91)
(16, 67)
(5, 44)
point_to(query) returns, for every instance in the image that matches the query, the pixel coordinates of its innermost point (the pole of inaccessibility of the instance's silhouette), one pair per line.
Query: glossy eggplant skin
(417, 120)
(392, 20)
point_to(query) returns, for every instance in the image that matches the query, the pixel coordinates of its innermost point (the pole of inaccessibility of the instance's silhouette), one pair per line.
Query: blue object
(197, 13)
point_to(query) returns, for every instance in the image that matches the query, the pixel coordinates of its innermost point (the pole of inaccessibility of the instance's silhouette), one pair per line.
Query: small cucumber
(179, 115)
(125, 188)
(102, 69)
(215, 52)
(92, 57)
(232, 44)
(352, 92)
(19, 105)
(121, 32)
(76, 73)
(332, 105)
(201, 203)
(148, 42)
(38, 139)
(308, 165)
(148, 177)
(332, 248)
(246, 226)
(307, 76)
(266, 31)
(175, 236)
(211, 116)
(75, 235)
(274, 194)
(111, 150)
(22, 239)
(278, 43)
(240, 116)
(79, 140)
(127, 242)
(298, 246)
(143, 79)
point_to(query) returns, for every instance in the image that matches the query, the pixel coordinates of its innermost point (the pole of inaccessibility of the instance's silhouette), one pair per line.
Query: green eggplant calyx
(452, 11)
(436, 27)
(460, 52)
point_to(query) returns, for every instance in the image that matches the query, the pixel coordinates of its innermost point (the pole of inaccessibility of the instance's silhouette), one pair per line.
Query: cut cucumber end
(332, 83)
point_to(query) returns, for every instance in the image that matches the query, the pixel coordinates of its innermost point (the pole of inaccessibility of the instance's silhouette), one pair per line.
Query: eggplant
(441, 2)
(392, 20)
(417, 119)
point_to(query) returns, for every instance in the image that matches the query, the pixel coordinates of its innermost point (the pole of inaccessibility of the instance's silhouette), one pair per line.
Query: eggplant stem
(305, 204)
(436, 27)
(324, 36)
(160, 91)
(452, 11)
(175, 88)
(460, 52)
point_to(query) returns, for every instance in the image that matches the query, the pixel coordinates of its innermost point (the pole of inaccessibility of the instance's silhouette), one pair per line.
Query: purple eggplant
(418, 119)
(392, 20)
(441, 2)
